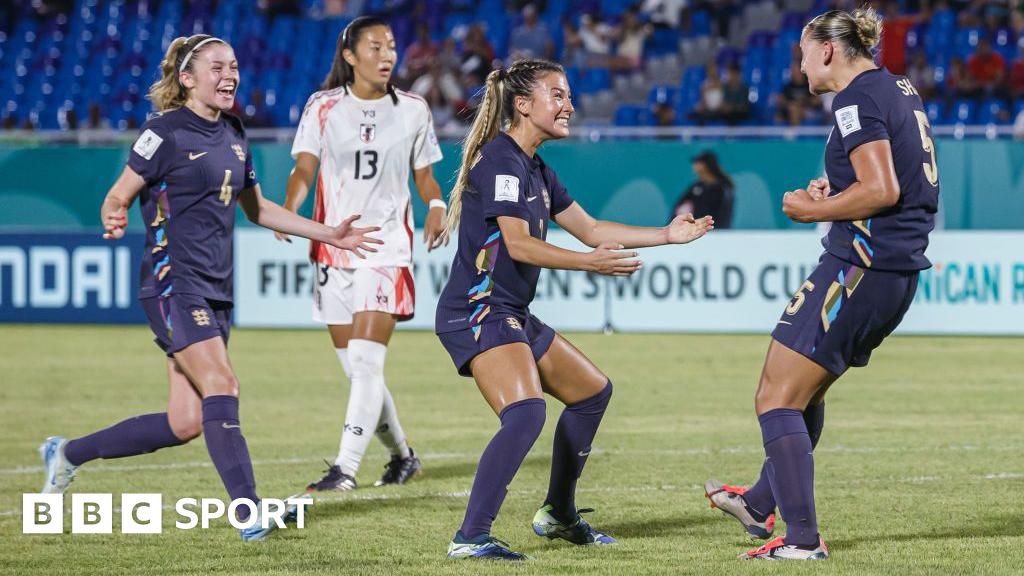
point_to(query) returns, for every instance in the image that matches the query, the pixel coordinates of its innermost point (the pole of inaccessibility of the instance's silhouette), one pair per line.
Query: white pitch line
(838, 449)
(8, 515)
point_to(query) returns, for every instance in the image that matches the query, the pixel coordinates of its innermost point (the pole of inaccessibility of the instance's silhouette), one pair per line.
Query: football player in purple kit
(191, 165)
(503, 200)
(880, 196)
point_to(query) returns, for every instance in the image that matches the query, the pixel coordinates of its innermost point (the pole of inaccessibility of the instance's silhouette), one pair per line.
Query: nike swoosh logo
(192, 156)
(784, 322)
(531, 198)
(229, 426)
(583, 453)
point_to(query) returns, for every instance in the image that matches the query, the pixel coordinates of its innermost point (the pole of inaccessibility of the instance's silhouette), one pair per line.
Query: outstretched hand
(352, 238)
(684, 228)
(609, 259)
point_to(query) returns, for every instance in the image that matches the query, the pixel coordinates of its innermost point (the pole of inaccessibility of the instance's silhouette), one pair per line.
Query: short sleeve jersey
(194, 170)
(366, 149)
(485, 283)
(878, 105)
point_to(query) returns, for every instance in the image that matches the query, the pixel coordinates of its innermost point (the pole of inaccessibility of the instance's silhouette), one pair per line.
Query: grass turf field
(920, 469)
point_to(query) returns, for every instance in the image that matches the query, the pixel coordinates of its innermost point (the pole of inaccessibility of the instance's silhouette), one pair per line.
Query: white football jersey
(366, 149)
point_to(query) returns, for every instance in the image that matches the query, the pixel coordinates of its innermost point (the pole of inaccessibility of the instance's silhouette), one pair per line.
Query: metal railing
(588, 133)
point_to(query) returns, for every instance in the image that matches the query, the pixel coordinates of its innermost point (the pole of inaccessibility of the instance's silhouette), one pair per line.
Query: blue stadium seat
(966, 41)
(935, 113)
(662, 95)
(964, 111)
(1005, 43)
(631, 115)
(992, 112)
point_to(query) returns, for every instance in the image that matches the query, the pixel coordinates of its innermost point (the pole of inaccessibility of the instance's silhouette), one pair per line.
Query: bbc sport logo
(143, 513)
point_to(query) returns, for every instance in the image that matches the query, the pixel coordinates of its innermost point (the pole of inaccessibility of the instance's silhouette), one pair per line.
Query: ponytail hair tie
(501, 74)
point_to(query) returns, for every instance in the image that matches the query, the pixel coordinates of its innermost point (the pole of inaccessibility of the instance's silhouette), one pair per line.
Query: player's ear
(828, 51)
(523, 105)
(187, 80)
(349, 56)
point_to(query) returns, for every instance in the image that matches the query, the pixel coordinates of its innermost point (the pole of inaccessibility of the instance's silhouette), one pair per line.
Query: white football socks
(370, 406)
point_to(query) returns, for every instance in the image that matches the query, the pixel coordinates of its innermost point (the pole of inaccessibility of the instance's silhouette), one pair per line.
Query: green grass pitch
(920, 469)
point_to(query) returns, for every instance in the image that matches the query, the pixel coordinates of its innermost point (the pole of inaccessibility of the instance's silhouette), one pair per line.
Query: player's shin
(227, 448)
(790, 466)
(366, 398)
(759, 498)
(574, 434)
(521, 424)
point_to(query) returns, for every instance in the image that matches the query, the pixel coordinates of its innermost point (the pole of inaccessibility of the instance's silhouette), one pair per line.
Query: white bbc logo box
(92, 513)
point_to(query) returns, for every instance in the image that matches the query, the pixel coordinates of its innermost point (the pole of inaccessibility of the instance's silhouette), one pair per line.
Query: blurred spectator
(418, 55)
(256, 113)
(922, 75)
(70, 120)
(531, 38)
(573, 53)
(96, 119)
(274, 8)
(441, 89)
(449, 56)
(959, 83)
(792, 103)
(735, 97)
(477, 53)
(712, 96)
(10, 122)
(630, 36)
(894, 37)
(711, 194)
(1017, 77)
(988, 69)
(596, 39)
(663, 13)
(664, 114)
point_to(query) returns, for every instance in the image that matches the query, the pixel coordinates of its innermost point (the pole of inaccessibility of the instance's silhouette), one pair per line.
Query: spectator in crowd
(1017, 77)
(959, 83)
(735, 97)
(477, 53)
(794, 100)
(96, 119)
(630, 36)
(922, 75)
(419, 54)
(893, 45)
(712, 96)
(596, 38)
(663, 13)
(573, 52)
(988, 69)
(664, 114)
(710, 195)
(442, 91)
(531, 39)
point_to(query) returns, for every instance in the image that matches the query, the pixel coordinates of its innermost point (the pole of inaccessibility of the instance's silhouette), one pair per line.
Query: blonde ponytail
(869, 27)
(485, 127)
(168, 92)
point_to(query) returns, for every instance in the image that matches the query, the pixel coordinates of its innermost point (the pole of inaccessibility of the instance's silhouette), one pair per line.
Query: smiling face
(374, 56)
(549, 107)
(212, 77)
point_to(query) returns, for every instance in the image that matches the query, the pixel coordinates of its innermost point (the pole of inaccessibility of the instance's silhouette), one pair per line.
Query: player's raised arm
(592, 232)
(259, 210)
(875, 190)
(114, 211)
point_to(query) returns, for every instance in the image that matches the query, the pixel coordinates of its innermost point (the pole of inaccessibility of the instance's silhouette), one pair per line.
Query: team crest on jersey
(237, 148)
(202, 317)
(514, 323)
(367, 132)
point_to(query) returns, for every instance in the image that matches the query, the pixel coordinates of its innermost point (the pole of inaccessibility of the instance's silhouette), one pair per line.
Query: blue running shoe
(59, 472)
(579, 532)
(483, 546)
(257, 532)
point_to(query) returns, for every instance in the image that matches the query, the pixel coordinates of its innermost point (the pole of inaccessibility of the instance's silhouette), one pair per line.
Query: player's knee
(525, 417)
(186, 427)
(366, 358)
(220, 383)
